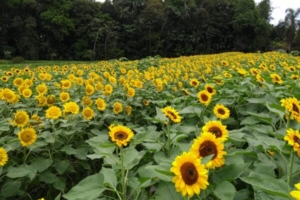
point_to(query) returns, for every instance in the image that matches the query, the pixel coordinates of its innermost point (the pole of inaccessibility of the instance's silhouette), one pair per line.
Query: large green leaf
(132, 157)
(109, 177)
(230, 172)
(225, 191)
(10, 189)
(167, 191)
(89, 188)
(41, 164)
(21, 171)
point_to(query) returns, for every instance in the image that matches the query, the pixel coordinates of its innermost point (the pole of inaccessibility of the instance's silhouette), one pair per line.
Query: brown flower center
(221, 111)
(172, 114)
(216, 131)
(26, 136)
(121, 135)
(207, 148)
(295, 108)
(20, 119)
(210, 90)
(189, 173)
(296, 139)
(204, 97)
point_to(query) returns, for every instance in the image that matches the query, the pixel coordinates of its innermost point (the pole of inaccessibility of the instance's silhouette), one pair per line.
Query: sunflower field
(222, 126)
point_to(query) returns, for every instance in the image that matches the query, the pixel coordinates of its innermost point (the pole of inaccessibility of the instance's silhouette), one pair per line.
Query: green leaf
(161, 171)
(61, 165)
(132, 157)
(21, 171)
(47, 177)
(225, 191)
(89, 188)
(263, 117)
(69, 150)
(230, 172)
(167, 191)
(41, 164)
(268, 184)
(261, 195)
(160, 115)
(276, 108)
(60, 184)
(109, 177)
(10, 189)
(58, 197)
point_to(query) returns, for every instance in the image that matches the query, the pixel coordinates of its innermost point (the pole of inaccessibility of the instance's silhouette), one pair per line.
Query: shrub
(18, 59)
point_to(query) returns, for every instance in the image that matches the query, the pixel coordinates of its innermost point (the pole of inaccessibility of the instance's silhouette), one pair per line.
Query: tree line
(89, 30)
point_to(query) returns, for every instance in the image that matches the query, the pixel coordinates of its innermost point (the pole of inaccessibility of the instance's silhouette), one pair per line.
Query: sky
(279, 7)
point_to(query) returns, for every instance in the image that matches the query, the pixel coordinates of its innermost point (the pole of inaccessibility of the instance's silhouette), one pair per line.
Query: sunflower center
(20, 119)
(26, 137)
(121, 135)
(172, 114)
(189, 173)
(194, 83)
(296, 139)
(295, 108)
(210, 90)
(216, 131)
(221, 111)
(87, 113)
(207, 148)
(204, 97)
(276, 78)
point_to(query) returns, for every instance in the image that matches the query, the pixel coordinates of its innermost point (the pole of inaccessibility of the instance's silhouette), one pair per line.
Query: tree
(291, 24)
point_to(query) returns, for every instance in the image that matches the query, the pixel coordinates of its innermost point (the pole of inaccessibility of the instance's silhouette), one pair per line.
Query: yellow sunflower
(204, 97)
(35, 120)
(42, 100)
(121, 135)
(3, 157)
(4, 78)
(27, 93)
(185, 91)
(118, 107)
(210, 89)
(194, 82)
(64, 96)
(130, 92)
(128, 110)
(66, 84)
(293, 139)
(172, 114)
(296, 193)
(108, 89)
(86, 101)
(71, 107)
(89, 90)
(21, 118)
(145, 102)
(101, 105)
(216, 128)
(18, 82)
(276, 78)
(53, 112)
(50, 100)
(190, 175)
(27, 136)
(292, 105)
(207, 144)
(221, 111)
(88, 113)
(42, 88)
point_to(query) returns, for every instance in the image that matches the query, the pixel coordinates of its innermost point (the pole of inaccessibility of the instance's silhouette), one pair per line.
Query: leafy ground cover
(222, 126)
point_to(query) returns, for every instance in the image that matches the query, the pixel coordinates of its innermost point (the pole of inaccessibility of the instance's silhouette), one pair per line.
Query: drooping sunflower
(35, 120)
(185, 91)
(293, 139)
(27, 136)
(210, 89)
(88, 113)
(221, 111)
(101, 105)
(216, 128)
(89, 90)
(53, 112)
(71, 107)
(118, 107)
(128, 110)
(296, 193)
(42, 88)
(190, 175)
(64, 96)
(121, 135)
(204, 97)
(207, 144)
(21, 118)
(3, 157)
(172, 114)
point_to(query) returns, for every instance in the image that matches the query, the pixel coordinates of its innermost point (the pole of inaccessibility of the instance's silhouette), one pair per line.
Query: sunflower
(276, 78)
(194, 82)
(159, 87)
(190, 175)
(185, 91)
(71, 107)
(35, 120)
(172, 114)
(3, 157)
(8, 95)
(128, 110)
(27, 93)
(293, 139)
(207, 144)
(27, 136)
(42, 100)
(64, 96)
(216, 128)
(66, 84)
(204, 97)
(139, 84)
(21, 118)
(86, 101)
(53, 112)
(4, 78)
(99, 86)
(108, 89)
(292, 105)
(101, 105)
(18, 82)
(130, 92)
(210, 89)
(89, 90)
(221, 111)
(50, 100)
(145, 102)
(295, 193)
(42, 88)
(88, 113)
(121, 135)
(28, 82)
(118, 107)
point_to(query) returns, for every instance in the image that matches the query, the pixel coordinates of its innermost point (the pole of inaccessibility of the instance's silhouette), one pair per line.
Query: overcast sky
(279, 7)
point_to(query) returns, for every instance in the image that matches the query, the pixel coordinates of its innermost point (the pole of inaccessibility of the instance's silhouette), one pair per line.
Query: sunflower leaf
(225, 191)
(167, 191)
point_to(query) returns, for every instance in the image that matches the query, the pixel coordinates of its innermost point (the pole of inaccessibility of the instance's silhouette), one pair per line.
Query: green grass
(6, 65)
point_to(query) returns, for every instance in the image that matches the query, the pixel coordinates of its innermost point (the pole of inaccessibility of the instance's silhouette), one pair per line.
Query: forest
(133, 29)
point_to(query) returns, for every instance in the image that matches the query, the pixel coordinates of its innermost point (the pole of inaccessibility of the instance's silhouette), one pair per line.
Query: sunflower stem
(25, 158)
(290, 170)
(169, 140)
(123, 174)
